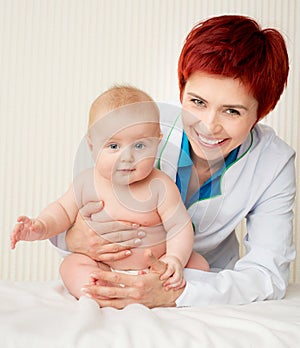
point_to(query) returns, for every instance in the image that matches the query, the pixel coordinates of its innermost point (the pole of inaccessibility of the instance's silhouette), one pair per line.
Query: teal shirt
(211, 187)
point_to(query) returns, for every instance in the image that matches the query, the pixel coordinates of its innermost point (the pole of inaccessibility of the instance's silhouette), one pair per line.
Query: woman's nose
(211, 123)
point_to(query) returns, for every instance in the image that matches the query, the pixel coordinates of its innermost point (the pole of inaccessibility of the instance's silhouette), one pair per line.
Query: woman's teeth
(209, 141)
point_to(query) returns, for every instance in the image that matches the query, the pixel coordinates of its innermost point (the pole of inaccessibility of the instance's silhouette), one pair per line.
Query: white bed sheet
(42, 315)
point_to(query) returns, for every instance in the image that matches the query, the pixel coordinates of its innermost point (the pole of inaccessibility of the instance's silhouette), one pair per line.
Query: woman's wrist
(173, 296)
(70, 240)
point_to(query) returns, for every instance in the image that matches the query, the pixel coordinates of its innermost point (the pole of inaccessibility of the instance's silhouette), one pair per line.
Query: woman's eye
(139, 146)
(233, 112)
(198, 101)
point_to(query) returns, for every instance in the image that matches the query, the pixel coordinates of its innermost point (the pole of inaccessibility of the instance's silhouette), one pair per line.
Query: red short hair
(235, 46)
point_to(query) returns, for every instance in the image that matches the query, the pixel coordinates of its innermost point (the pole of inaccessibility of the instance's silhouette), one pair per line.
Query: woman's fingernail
(128, 252)
(134, 225)
(86, 292)
(141, 234)
(137, 241)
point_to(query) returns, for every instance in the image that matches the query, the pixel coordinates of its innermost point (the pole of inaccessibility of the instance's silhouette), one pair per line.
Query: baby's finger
(23, 219)
(169, 272)
(175, 285)
(18, 227)
(174, 278)
(14, 238)
(181, 285)
(17, 230)
(13, 243)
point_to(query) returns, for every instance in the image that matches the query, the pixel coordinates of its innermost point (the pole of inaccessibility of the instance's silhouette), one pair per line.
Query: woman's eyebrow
(232, 106)
(236, 106)
(191, 94)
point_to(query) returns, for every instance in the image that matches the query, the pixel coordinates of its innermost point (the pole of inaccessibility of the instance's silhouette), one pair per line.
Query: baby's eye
(139, 146)
(114, 146)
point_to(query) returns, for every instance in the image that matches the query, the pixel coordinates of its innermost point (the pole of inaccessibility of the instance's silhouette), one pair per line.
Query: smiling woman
(218, 114)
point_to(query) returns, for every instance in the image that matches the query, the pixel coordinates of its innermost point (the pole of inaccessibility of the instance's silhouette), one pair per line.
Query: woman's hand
(146, 289)
(102, 240)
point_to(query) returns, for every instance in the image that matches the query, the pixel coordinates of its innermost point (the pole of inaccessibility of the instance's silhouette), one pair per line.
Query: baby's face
(125, 142)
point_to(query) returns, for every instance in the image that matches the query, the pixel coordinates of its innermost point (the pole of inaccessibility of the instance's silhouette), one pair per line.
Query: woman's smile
(209, 141)
(218, 114)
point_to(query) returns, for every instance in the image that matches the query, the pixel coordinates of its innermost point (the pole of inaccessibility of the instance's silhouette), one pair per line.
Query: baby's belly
(155, 240)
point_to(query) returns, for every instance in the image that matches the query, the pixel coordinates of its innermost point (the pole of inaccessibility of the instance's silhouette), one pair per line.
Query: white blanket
(42, 315)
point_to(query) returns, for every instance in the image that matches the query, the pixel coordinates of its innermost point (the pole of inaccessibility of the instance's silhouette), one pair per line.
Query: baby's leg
(197, 261)
(75, 272)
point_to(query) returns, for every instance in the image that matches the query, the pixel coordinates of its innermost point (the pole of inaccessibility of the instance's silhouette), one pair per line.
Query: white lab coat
(258, 186)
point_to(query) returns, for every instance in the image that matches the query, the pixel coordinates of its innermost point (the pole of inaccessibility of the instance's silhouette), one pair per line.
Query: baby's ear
(89, 141)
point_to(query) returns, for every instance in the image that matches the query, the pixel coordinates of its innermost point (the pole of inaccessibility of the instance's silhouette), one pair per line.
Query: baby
(123, 136)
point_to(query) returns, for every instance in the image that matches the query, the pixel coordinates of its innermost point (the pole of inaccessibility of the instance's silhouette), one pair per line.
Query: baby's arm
(60, 214)
(180, 234)
(55, 218)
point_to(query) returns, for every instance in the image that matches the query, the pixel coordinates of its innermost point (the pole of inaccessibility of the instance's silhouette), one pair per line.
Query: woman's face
(218, 114)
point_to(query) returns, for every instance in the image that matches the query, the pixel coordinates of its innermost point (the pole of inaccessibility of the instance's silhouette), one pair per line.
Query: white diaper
(129, 271)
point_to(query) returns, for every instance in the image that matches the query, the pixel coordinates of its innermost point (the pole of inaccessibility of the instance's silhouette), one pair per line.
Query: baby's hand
(173, 274)
(27, 229)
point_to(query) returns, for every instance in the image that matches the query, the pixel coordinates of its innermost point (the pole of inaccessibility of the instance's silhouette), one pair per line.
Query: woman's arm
(263, 272)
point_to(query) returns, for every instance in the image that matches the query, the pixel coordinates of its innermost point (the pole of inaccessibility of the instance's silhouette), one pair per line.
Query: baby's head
(117, 97)
(120, 107)
(124, 133)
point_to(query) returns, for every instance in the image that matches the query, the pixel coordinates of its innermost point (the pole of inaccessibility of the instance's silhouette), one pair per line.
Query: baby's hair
(116, 97)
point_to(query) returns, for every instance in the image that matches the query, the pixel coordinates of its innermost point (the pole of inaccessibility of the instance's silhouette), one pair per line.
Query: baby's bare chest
(137, 205)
